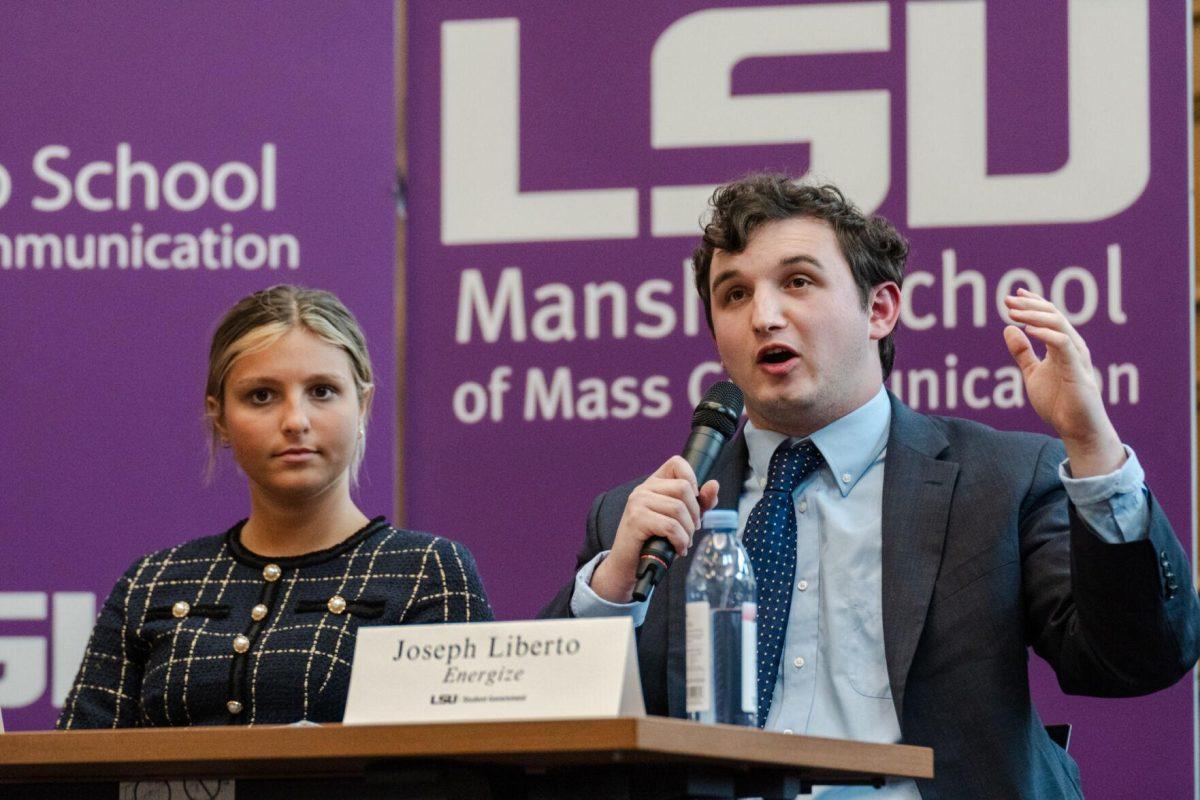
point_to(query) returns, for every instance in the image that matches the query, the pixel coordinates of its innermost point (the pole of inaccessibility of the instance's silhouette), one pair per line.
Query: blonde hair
(259, 320)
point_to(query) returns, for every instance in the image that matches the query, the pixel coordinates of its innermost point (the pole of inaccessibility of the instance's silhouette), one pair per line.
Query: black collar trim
(233, 540)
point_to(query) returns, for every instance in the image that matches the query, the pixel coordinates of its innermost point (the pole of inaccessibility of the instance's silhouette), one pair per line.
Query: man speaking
(920, 556)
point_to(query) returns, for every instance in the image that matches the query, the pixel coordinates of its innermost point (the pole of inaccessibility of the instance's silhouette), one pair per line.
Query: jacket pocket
(363, 607)
(992, 558)
(182, 609)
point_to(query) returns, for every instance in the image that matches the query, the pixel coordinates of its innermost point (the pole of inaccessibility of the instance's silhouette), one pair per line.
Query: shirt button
(799, 662)
(336, 604)
(803, 506)
(258, 613)
(240, 643)
(802, 586)
(271, 573)
(180, 609)
(847, 477)
(788, 731)
(234, 707)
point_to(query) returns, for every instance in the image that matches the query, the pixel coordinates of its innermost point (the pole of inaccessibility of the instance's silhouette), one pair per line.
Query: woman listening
(257, 625)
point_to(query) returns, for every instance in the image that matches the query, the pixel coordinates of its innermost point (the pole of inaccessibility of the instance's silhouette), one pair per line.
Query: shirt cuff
(586, 603)
(1115, 505)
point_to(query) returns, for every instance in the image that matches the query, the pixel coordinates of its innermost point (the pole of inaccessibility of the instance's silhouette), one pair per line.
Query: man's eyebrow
(801, 259)
(728, 274)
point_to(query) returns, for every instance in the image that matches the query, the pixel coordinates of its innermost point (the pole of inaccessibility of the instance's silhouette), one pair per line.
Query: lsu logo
(443, 699)
(692, 105)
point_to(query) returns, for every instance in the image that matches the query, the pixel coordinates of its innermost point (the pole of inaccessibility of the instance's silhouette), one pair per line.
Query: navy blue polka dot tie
(770, 541)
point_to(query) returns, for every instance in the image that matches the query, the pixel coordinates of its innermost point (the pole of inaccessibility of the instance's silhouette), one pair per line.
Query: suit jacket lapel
(917, 491)
(730, 472)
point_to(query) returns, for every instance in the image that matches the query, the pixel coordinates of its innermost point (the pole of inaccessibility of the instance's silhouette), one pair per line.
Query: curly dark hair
(874, 249)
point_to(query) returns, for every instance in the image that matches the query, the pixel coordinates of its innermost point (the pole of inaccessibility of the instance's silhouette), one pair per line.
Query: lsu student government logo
(692, 105)
(443, 699)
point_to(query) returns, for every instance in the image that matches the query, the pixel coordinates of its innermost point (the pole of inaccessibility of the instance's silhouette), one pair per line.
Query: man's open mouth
(775, 355)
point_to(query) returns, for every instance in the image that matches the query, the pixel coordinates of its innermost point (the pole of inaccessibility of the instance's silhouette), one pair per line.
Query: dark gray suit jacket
(983, 557)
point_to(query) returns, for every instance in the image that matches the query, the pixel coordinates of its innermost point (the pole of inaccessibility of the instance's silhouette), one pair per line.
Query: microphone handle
(701, 452)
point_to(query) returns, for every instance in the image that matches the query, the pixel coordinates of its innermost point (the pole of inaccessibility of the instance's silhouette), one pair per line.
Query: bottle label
(698, 638)
(750, 658)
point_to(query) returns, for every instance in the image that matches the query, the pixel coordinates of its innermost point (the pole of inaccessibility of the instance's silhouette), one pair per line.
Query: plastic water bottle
(721, 627)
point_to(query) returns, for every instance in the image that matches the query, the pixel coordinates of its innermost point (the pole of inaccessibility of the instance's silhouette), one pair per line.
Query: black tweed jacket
(209, 633)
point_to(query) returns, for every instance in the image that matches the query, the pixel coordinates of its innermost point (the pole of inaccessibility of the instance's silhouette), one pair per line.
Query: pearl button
(788, 731)
(180, 609)
(336, 604)
(259, 612)
(802, 586)
(271, 572)
(240, 643)
(799, 662)
(846, 477)
(234, 707)
(803, 506)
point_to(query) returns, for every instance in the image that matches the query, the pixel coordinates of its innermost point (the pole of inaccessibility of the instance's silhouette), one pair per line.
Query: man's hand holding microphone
(663, 513)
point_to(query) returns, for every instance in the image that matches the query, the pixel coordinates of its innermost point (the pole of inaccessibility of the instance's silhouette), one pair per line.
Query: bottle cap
(720, 519)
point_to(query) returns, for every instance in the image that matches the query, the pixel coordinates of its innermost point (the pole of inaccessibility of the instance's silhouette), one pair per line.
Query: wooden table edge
(144, 752)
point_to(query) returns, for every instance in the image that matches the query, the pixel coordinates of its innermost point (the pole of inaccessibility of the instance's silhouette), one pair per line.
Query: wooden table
(631, 757)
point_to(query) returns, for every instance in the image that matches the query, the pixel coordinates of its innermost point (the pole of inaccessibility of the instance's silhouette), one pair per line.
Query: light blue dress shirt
(833, 678)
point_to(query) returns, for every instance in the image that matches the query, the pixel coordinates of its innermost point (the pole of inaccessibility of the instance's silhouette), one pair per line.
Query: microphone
(713, 423)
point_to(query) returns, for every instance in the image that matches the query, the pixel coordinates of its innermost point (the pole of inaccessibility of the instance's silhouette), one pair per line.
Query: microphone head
(720, 408)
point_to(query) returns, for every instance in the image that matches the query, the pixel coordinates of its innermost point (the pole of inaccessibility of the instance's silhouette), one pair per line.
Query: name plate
(534, 669)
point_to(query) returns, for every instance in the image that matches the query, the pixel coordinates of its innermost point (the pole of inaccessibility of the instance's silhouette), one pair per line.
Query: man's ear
(883, 309)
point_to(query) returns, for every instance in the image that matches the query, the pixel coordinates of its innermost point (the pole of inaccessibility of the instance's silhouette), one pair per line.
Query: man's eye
(798, 281)
(735, 294)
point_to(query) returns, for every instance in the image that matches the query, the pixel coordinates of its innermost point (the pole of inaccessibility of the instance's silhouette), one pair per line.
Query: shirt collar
(850, 445)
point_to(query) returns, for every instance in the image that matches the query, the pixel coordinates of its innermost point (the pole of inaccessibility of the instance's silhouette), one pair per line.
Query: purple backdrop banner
(561, 155)
(157, 162)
